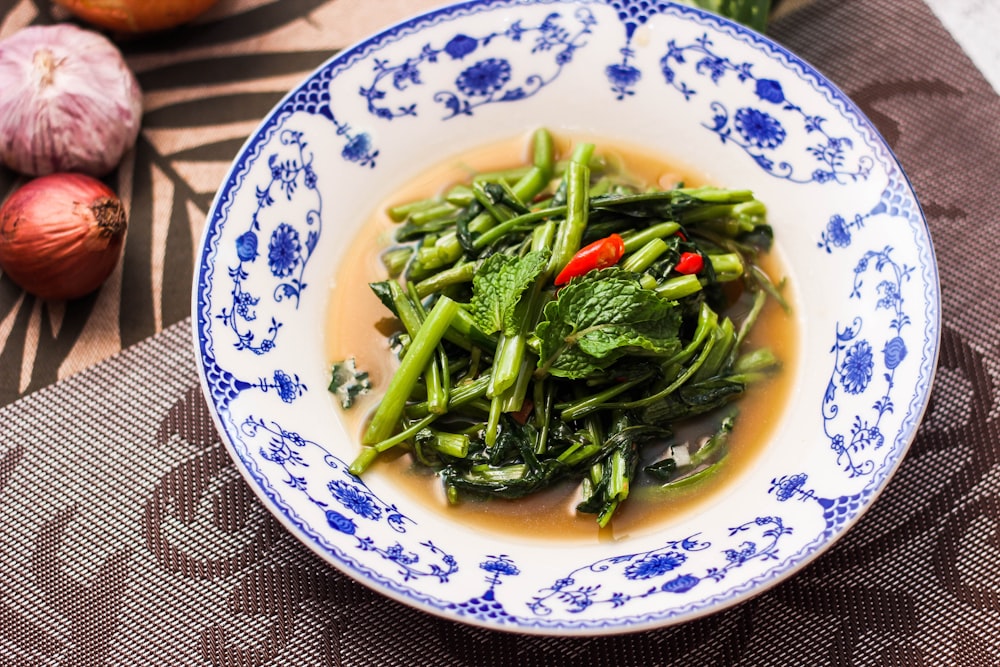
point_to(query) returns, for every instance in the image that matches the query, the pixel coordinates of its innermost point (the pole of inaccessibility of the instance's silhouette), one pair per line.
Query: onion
(137, 15)
(61, 235)
(68, 101)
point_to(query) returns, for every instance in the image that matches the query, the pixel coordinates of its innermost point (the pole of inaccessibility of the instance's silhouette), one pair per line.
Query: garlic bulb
(68, 101)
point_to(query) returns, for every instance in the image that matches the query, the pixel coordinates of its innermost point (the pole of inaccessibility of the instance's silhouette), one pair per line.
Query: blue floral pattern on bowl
(675, 80)
(856, 362)
(481, 78)
(346, 502)
(759, 129)
(287, 250)
(664, 570)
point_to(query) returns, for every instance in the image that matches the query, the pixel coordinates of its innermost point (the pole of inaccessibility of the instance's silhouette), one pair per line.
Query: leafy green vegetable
(598, 318)
(509, 383)
(497, 287)
(609, 482)
(347, 382)
(702, 463)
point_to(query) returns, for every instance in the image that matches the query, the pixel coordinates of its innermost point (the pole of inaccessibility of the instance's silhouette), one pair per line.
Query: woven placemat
(128, 538)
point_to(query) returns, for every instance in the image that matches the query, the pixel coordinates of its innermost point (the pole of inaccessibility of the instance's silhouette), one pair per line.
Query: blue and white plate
(678, 81)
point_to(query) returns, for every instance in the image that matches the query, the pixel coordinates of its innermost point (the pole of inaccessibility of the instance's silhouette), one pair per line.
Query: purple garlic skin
(68, 102)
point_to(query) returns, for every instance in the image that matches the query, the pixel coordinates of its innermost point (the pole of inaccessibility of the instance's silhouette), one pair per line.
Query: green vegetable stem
(412, 366)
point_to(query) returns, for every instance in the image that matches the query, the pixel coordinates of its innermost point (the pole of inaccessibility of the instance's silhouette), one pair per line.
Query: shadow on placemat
(130, 538)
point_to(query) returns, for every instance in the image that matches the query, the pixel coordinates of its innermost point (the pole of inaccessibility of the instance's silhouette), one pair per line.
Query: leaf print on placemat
(162, 172)
(231, 69)
(36, 338)
(193, 126)
(215, 110)
(211, 152)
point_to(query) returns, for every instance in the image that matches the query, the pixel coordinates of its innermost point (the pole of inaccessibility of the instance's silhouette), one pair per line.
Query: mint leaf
(600, 317)
(497, 287)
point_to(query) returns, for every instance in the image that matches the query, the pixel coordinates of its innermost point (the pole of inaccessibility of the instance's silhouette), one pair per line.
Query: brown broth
(361, 334)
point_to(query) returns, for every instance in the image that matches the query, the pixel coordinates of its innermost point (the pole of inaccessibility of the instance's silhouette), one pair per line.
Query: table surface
(974, 24)
(170, 560)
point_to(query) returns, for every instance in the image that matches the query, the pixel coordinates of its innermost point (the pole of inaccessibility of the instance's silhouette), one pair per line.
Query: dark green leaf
(347, 382)
(384, 294)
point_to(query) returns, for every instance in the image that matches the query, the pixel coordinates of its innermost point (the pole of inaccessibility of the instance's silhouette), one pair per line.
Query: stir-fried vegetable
(557, 320)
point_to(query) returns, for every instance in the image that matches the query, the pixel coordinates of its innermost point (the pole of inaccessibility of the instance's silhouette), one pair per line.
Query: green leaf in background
(752, 13)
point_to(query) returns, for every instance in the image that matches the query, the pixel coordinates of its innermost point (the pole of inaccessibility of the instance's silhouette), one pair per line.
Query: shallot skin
(61, 235)
(68, 101)
(137, 15)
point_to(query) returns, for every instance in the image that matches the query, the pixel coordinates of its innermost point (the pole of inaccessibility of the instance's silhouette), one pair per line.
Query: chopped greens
(347, 382)
(558, 322)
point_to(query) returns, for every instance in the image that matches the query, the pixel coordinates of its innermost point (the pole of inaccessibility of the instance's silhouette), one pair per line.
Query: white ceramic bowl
(678, 81)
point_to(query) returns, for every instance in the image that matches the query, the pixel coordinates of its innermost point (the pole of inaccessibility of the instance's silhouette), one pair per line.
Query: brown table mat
(128, 538)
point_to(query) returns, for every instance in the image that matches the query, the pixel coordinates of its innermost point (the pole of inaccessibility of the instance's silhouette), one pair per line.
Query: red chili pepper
(690, 262)
(521, 416)
(598, 255)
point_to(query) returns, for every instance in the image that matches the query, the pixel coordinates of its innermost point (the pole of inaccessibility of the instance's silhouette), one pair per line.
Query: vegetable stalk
(421, 350)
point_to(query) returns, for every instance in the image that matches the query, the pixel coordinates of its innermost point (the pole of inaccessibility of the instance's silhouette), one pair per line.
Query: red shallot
(137, 15)
(61, 235)
(68, 101)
